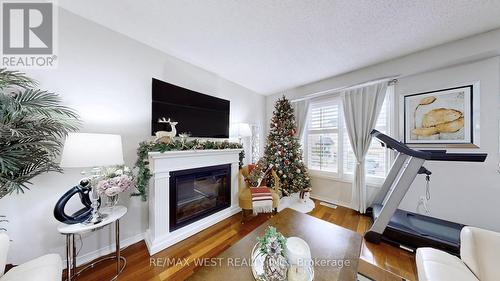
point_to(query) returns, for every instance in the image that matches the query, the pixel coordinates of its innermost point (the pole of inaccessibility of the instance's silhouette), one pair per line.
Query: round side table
(113, 215)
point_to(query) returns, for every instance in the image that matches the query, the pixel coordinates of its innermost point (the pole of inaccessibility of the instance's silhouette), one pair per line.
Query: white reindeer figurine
(173, 130)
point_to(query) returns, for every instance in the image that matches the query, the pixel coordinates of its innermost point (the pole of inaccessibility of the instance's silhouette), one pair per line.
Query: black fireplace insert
(198, 193)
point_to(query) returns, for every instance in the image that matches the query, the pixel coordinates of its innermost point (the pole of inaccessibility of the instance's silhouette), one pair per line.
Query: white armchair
(44, 268)
(480, 256)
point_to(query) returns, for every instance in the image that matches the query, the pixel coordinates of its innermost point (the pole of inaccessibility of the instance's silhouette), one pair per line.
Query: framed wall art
(443, 117)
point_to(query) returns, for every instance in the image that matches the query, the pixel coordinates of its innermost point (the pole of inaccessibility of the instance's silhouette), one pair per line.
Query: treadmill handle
(400, 147)
(433, 155)
(461, 157)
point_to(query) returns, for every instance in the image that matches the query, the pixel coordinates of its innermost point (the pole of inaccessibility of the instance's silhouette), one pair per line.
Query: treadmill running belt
(415, 230)
(427, 227)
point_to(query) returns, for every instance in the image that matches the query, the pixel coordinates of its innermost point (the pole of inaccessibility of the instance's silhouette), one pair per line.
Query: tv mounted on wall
(198, 114)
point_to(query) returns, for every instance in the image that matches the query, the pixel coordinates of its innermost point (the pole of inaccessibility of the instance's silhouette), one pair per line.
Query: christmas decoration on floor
(283, 151)
(295, 202)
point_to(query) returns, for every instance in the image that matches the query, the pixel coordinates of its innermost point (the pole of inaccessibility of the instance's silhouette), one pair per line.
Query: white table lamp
(241, 130)
(83, 150)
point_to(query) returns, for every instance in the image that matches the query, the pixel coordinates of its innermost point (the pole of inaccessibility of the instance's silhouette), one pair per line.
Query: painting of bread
(439, 116)
(440, 120)
(450, 127)
(425, 132)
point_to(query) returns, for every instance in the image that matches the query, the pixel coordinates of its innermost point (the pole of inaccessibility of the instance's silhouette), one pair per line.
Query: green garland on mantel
(142, 164)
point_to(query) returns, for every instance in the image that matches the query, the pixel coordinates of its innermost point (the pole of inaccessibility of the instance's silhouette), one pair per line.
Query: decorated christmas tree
(283, 151)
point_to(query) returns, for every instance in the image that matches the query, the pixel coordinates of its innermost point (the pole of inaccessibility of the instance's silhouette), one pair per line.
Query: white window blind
(324, 116)
(328, 150)
(323, 137)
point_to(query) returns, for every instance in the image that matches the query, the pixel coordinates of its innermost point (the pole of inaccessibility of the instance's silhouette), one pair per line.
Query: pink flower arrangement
(115, 181)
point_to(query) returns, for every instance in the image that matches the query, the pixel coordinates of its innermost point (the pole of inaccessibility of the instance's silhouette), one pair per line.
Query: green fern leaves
(33, 126)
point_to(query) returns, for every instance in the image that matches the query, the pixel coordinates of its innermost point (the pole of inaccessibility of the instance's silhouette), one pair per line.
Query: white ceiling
(268, 46)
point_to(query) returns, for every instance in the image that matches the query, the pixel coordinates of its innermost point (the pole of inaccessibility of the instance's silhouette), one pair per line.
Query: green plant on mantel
(33, 125)
(142, 164)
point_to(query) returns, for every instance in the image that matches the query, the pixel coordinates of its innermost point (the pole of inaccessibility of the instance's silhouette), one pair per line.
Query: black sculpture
(82, 189)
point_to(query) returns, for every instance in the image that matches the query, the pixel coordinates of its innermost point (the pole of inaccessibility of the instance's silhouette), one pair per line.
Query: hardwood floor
(379, 262)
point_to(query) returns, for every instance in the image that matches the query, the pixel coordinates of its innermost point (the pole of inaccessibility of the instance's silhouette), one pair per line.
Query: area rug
(294, 202)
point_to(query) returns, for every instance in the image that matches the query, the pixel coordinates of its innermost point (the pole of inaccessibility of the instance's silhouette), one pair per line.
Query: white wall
(462, 192)
(335, 191)
(106, 77)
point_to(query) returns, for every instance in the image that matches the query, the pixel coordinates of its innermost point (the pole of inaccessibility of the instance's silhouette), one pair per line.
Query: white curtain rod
(390, 79)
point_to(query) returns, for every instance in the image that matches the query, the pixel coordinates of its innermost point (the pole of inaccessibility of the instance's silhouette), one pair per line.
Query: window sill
(323, 174)
(372, 182)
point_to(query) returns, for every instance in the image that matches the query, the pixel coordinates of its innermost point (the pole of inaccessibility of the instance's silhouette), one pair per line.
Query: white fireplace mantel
(158, 235)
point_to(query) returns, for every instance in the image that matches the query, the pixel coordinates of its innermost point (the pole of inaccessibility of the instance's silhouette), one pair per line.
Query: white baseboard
(331, 201)
(83, 259)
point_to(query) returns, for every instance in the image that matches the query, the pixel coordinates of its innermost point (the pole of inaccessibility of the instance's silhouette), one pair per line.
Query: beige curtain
(361, 109)
(300, 111)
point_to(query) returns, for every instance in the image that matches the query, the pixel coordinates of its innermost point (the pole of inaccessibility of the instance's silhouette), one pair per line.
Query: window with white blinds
(323, 137)
(329, 151)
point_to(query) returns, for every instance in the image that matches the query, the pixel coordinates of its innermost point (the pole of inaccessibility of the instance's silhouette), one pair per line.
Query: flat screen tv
(198, 114)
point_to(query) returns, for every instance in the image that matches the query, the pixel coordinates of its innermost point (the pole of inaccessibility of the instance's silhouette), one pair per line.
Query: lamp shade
(242, 130)
(82, 150)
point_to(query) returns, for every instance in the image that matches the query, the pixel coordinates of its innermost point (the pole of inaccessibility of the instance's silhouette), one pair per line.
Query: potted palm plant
(33, 125)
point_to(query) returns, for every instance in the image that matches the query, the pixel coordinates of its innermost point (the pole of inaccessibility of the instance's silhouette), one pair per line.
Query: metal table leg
(117, 243)
(121, 262)
(69, 255)
(74, 255)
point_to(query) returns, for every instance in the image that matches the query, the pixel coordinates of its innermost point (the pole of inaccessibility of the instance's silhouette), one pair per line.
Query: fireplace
(216, 191)
(198, 193)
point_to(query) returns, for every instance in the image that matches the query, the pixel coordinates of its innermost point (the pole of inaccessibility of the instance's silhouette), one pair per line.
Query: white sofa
(480, 259)
(45, 268)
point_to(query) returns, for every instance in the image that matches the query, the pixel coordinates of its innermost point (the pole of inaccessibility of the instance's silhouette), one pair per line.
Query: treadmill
(406, 229)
